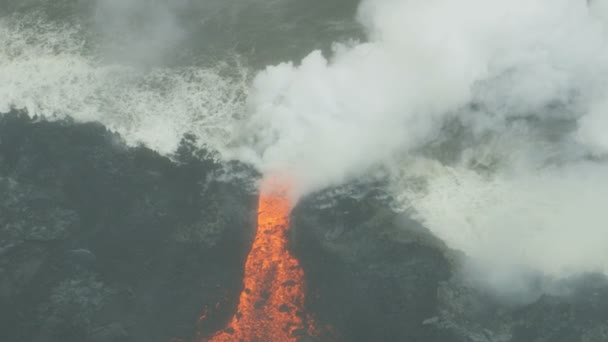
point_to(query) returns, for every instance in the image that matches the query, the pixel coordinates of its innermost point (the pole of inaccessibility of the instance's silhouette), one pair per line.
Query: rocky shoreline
(101, 242)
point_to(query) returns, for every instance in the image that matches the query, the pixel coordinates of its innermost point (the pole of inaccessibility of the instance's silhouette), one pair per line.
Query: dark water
(192, 31)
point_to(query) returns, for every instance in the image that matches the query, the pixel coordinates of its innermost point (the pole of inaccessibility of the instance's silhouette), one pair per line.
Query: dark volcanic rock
(576, 312)
(372, 274)
(95, 235)
(100, 242)
(375, 275)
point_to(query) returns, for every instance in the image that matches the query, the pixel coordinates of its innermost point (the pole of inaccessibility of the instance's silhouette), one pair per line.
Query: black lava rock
(96, 235)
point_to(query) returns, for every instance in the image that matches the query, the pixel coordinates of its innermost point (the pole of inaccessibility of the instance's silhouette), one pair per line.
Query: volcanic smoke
(271, 304)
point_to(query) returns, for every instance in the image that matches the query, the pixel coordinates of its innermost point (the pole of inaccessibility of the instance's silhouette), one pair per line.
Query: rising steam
(524, 82)
(327, 119)
(488, 115)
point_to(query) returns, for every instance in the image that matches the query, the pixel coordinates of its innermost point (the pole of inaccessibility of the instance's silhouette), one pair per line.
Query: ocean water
(486, 119)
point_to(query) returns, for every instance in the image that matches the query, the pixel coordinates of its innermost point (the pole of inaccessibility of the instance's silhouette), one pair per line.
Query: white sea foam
(44, 69)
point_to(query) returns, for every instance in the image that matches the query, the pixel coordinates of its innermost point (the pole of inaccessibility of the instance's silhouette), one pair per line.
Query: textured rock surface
(377, 276)
(578, 311)
(373, 275)
(104, 243)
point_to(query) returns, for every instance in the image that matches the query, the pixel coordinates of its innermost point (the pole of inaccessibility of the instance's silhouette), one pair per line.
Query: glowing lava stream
(271, 304)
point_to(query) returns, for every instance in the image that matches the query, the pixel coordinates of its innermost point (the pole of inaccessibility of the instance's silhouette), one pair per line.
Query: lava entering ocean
(271, 304)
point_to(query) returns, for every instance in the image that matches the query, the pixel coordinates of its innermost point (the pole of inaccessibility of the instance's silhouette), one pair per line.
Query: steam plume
(526, 77)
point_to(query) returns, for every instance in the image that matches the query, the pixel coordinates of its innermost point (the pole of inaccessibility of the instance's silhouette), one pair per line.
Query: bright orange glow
(271, 305)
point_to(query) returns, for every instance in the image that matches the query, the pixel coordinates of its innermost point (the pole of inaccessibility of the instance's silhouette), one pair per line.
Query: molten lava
(271, 305)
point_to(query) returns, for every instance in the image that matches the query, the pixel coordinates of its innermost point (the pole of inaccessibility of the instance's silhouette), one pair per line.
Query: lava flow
(271, 304)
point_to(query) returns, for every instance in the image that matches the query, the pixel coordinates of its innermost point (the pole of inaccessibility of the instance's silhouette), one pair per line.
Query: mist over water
(487, 117)
(488, 114)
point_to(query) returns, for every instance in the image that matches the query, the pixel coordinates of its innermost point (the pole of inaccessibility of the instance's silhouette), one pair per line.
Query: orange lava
(271, 305)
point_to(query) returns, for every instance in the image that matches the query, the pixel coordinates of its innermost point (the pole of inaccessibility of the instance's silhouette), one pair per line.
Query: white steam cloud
(512, 92)
(492, 66)
(327, 119)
